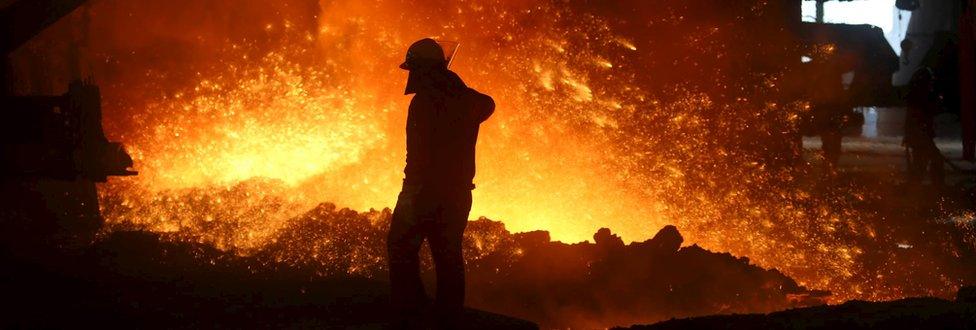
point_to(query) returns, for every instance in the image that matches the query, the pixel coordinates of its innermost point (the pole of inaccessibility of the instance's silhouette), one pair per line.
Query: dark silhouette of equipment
(52, 147)
(908, 5)
(53, 136)
(21, 20)
(832, 51)
(60, 137)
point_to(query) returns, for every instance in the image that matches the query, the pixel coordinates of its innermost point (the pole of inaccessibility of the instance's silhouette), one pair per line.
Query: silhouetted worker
(831, 111)
(442, 130)
(923, 155)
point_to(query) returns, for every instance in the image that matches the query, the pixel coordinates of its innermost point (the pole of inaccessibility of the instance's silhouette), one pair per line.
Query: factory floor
(885, 155)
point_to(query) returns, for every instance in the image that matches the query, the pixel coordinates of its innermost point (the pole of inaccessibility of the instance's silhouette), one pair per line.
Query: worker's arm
(482, 106)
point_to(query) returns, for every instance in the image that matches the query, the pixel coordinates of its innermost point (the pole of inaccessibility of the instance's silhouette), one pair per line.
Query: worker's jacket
(442, 130)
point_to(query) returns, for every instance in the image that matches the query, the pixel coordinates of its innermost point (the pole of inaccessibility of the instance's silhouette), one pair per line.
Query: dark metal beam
(24, 19)
(820, 11)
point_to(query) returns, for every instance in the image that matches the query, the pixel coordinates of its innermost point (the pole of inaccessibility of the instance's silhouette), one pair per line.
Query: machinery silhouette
(53, 147)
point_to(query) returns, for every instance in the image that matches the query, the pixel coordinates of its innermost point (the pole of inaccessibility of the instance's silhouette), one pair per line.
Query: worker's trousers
(439, 216)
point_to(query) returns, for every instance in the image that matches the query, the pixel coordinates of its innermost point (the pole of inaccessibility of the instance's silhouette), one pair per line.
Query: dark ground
(910, 313)
(132, 280)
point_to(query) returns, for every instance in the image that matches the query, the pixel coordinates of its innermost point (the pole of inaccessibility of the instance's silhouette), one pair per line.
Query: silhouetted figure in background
(923, 156)
(831, 110)
(442, 130)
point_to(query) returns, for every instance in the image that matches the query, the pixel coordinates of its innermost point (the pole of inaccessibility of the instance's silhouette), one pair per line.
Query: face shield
(450, 50)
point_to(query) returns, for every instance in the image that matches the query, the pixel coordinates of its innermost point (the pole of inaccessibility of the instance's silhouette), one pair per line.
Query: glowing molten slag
(274, 121)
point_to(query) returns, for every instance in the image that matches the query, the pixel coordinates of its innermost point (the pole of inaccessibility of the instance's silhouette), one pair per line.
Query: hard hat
(424, 51)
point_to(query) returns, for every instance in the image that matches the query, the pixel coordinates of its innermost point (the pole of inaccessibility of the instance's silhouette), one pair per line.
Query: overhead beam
(22, 20)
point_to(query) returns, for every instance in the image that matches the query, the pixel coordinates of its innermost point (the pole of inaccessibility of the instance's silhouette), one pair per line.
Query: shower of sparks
(578, 142)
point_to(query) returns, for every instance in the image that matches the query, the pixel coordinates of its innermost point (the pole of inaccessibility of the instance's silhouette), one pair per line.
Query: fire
(267, 121)
(585, 136)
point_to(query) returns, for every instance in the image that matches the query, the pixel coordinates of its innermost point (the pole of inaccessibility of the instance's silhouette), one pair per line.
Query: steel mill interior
(669, 164)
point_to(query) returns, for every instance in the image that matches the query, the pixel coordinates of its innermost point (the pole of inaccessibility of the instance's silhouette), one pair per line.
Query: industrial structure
(53, 147)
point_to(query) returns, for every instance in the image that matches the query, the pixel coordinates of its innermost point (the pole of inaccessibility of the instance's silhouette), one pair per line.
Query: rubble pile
(310, 262)
(527, 275)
